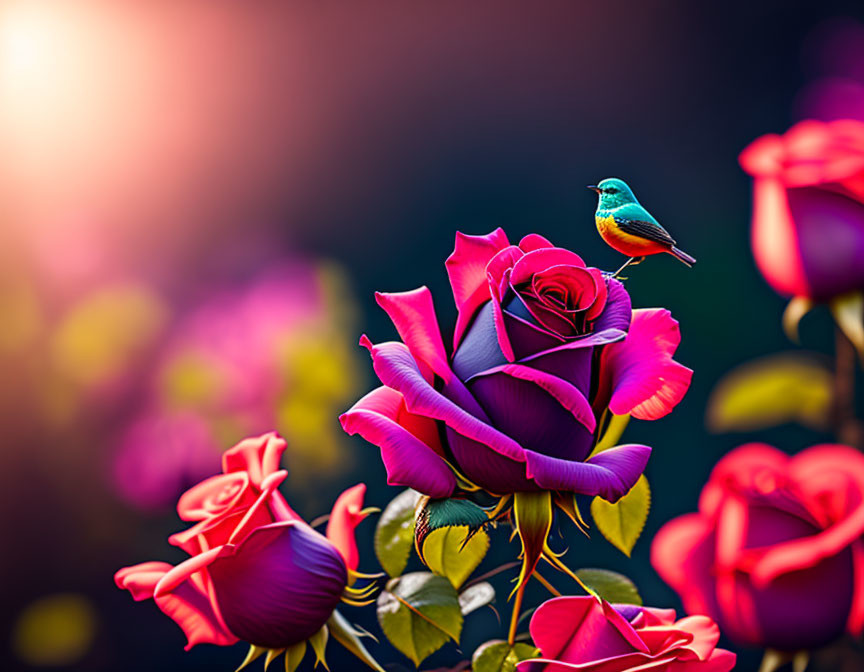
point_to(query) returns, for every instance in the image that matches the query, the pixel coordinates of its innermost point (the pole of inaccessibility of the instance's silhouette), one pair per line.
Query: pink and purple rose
(257, 571)
(775, 554)
(544, 347)
(589, 635)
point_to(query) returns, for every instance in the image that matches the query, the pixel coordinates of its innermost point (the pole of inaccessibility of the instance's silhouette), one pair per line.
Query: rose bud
(808, 217)
(590, 635)
(544, 348)
(257, 572)
(775, 553)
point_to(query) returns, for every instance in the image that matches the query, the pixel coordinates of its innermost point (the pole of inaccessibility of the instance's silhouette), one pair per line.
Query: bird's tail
(682, 256)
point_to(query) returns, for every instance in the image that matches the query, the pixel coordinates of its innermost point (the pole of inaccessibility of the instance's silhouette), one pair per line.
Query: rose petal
(466, 268)
(141, 579)
(410, 448)
(346, 515)
(569, 396)
(280, 585)
(534, 241)
(397, 369)
(186, 603)
(259, 457)
(576, 629)
(541, 259)
(643, 378)
(610, 474)
(682, 553)
(413, 314)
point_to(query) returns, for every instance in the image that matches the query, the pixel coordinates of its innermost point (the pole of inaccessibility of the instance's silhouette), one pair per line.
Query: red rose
(808, 208)
(257, 572)
(585, 634)
(775, 554)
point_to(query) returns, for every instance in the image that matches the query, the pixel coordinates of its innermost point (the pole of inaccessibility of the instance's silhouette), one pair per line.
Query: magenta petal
(280, 585)
(396, 368)
(466, 268)
(610, 474)
(413, 314)
(645, 381)
(534, 241)
(408, 459)
(141, 579)
(541, 259)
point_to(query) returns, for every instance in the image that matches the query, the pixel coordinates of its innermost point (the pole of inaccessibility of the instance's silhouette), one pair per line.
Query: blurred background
(198, 200)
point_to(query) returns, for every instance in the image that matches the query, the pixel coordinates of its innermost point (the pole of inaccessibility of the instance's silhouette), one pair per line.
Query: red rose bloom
(775, 554)
(808, 208)
(257, 571)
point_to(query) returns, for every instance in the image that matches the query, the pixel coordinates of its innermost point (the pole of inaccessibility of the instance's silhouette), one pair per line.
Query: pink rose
(257, 572)
(775, 554)
(586, 634)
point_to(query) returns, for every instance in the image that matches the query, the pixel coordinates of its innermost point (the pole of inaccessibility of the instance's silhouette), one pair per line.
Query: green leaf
(448, 554)
(394, 534)
(611, 586)
(476, 596)
(418, 613)
(349, 637)
(499, 656)
(254, 653)
(450, 537)
(622, 522)
(771, 391)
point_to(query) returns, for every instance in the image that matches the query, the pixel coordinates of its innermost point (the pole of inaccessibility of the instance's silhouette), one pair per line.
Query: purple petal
(479, 349)
(619, 308)
(830, 239)
(486, 468)
(396, 368)
(609, 474)
(280, 586)
(409, 460)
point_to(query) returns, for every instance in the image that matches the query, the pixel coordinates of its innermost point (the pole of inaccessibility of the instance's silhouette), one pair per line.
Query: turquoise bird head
(613, 193)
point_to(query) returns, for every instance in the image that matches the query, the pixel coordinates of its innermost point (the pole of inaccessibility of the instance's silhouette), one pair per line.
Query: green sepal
(848, 312)
(294, 656)
(450, 538)
(795, 311)
(532, 517)
(319, 645)
(349, 637)
(272, 654)
(254, 653)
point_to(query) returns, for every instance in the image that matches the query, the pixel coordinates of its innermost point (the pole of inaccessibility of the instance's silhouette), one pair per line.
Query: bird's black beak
(594, 187)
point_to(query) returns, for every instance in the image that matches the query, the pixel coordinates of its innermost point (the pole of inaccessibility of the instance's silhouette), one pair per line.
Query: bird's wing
(637, 221)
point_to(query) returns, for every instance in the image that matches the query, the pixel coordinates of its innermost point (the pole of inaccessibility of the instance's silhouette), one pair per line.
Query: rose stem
(548, 586)
(514, 618)
(847, 428)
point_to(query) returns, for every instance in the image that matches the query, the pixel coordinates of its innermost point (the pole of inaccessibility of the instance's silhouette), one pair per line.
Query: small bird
(629, 228)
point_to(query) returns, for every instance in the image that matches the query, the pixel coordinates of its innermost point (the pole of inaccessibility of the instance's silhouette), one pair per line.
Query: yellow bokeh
(55, 630)
(102, 334)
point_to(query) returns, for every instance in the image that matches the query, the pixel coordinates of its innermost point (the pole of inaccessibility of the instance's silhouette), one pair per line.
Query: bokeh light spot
(55, 630)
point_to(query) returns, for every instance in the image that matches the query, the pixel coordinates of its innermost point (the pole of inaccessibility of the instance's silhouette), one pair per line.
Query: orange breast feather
(625, 243)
